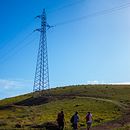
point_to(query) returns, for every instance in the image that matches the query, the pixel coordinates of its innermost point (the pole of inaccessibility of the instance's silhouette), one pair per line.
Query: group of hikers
(74, 120)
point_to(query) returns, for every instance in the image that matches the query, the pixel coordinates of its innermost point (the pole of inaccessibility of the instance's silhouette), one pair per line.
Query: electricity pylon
(41, 81)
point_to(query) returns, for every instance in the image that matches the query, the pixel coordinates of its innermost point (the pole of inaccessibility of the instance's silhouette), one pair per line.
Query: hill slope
(106, 102)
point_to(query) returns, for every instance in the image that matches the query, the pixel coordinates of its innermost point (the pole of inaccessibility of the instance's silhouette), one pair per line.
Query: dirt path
(119, 104)
(124, 120)
(115, 124)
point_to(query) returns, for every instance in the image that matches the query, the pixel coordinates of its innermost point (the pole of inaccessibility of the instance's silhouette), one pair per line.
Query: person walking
(89, 120)
(74, 121)
(60, 120)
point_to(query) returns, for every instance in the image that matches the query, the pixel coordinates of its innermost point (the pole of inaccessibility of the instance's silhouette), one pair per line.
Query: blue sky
(92, 50)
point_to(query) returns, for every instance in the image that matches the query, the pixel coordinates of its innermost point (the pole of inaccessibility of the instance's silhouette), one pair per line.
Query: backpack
(72, 119)
(88, 117)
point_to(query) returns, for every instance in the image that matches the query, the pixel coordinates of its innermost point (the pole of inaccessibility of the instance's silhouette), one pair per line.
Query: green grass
(102, 112)
(8, 101)
(127, 127)
(119, 93)
(105, 106)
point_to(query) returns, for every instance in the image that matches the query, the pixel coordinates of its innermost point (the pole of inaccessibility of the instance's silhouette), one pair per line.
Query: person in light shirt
(89, 120)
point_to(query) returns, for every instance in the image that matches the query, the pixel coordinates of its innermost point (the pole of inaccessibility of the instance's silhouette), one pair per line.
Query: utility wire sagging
(98, 13)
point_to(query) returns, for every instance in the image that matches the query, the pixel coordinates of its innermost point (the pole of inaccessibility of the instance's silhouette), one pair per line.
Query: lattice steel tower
(41, 81)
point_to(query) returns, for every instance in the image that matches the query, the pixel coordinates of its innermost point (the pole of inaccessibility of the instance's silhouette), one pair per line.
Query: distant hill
(106, 102)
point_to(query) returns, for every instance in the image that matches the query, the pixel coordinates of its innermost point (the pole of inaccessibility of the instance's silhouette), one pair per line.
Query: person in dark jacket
(74, 121)
(60, 120)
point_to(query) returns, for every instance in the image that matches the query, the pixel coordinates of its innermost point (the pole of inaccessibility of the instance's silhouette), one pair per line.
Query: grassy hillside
(106, 102)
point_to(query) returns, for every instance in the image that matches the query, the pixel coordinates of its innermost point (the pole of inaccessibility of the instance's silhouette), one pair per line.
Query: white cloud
(8, 84)
(121, 83)
(9, 87)
(93, 82)
(103, 82)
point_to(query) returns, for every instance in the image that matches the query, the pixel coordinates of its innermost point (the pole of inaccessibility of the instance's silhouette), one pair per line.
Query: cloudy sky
(90, 43)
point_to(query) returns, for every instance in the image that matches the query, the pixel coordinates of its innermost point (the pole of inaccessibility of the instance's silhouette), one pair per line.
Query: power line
(15, 47)
(31, 23)
(65, 6)
(103, 12)
(15, 51)
(26, 37)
